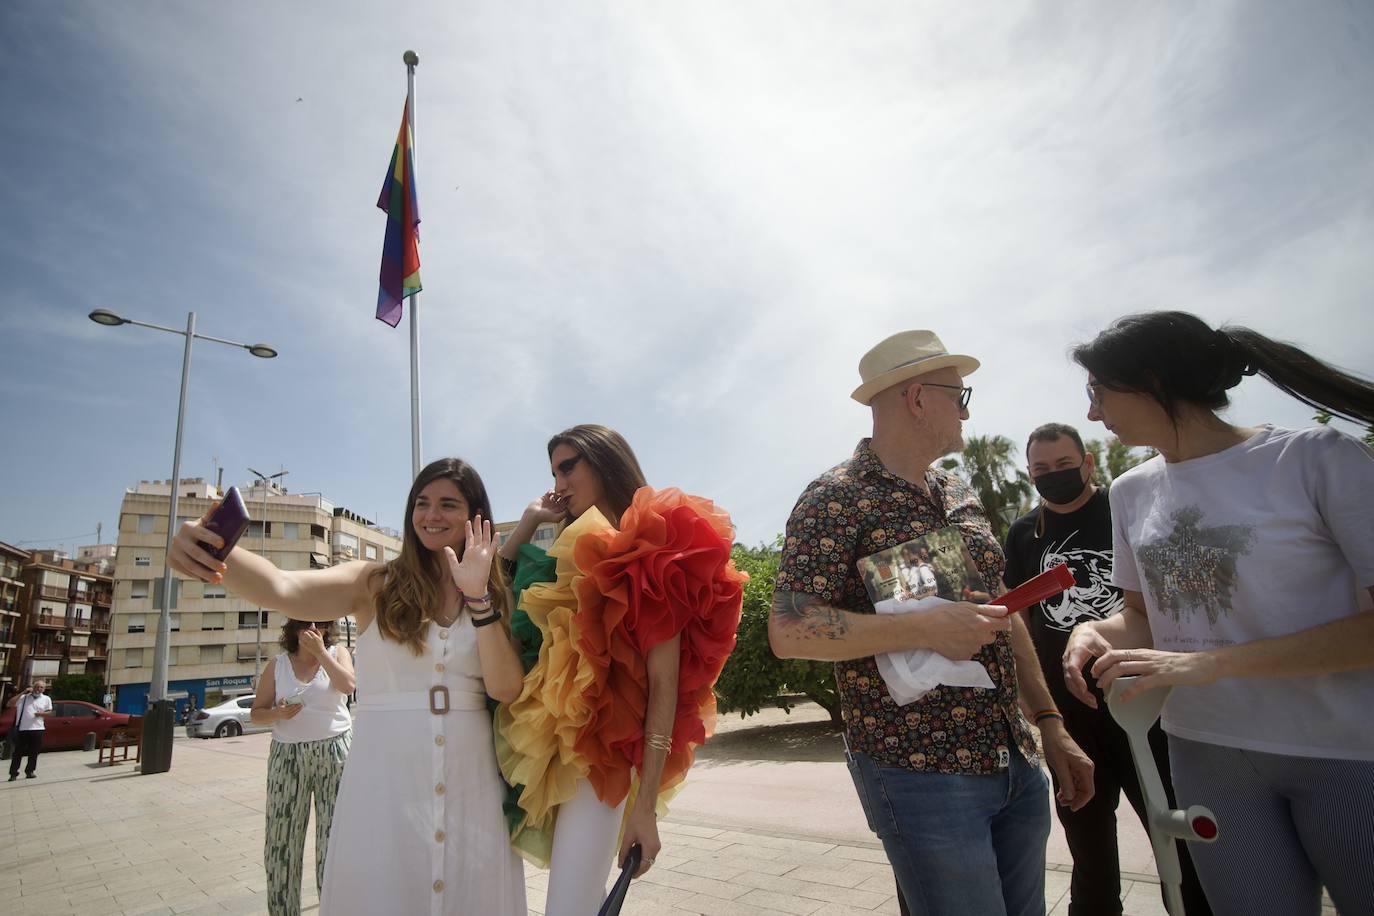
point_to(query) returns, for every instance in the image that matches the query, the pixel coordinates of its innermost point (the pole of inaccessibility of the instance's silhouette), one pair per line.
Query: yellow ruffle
(540, 727)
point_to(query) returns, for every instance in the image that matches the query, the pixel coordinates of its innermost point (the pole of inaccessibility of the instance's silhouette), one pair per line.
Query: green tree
(88, 687)
(753, 676)
(1095, 448)
(990, 464)
(1122, 457)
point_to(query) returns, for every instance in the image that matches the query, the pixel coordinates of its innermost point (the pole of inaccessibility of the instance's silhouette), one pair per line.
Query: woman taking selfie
(1247, 561)
(418, 825)
(303, 695)
(627, 621)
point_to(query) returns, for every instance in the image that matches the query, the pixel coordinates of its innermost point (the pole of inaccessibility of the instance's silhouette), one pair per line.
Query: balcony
(47, 649)
(50, 621)
(78, 652)
(79, 623)
(50, 591)
(100, 623)
(104, 599)
(98, 652)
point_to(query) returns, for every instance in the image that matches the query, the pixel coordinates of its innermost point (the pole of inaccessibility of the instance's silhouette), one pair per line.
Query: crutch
(1195, 825)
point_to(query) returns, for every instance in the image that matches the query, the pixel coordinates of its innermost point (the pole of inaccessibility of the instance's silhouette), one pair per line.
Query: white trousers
(583, 852)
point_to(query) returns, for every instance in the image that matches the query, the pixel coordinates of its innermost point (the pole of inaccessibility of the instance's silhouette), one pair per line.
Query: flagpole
(411, 60)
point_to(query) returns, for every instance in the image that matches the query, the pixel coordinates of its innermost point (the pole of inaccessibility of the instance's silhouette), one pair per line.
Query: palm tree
(990, 465)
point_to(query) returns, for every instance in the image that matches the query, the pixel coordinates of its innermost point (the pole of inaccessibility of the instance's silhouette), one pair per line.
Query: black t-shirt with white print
(1082, 539)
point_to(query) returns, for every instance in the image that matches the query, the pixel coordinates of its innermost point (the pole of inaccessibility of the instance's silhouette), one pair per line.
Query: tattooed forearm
(808, 617)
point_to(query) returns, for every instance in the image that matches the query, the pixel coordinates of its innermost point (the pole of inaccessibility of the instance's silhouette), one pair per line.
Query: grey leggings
(1289, 826)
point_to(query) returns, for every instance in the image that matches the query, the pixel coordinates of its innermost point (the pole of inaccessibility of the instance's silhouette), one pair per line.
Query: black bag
(12, 736)
(616, 898)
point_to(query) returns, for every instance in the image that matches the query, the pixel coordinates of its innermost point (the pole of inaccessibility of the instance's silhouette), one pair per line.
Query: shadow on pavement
(785, 741)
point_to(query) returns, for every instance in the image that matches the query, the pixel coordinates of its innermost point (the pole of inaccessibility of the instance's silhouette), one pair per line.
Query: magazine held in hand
(923, 574)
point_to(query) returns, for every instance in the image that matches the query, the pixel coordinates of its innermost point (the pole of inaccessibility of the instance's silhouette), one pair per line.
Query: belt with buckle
(438, 700)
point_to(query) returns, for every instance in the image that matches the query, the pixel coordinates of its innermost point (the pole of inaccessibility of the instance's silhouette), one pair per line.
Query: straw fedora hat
(903, 356)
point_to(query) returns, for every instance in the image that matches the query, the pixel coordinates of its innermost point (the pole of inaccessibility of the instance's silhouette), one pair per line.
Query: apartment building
(12, 609)
(218, 642)
(66, 617)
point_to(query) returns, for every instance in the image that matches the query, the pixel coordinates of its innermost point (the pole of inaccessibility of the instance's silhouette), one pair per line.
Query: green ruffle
(532, 566)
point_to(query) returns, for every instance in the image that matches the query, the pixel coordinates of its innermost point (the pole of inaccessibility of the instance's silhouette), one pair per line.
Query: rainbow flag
(400, 275)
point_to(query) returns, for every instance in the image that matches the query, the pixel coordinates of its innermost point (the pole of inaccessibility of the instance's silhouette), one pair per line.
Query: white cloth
(418, 825)
(326, 710)
(28, 709)
(913, 673)
(1264, 539)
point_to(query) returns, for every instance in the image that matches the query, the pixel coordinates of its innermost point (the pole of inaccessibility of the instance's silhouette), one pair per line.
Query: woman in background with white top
(1247, 561)
(303, 694)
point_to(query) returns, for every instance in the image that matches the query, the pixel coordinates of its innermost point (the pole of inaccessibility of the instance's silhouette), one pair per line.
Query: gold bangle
(659, 742)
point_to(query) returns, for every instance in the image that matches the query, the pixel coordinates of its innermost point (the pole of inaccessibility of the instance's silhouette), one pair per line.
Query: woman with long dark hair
(418, 825)
(1247, 561)
(626, 623)
(303, 695)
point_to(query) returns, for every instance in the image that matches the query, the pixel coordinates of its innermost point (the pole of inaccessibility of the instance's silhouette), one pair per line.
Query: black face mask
(1061, 487)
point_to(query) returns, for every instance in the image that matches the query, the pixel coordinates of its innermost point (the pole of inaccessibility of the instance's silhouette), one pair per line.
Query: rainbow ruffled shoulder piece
(610, 597)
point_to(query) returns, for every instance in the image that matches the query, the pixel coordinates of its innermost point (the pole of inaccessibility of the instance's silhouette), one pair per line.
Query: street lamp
(157, 757)
(266, 486)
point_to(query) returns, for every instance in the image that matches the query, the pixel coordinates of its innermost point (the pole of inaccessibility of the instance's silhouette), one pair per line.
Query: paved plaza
(778, 833)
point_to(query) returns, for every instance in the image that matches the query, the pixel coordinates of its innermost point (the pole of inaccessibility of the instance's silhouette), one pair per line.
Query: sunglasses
(566, 466)
(1094, 390)
(965, 392)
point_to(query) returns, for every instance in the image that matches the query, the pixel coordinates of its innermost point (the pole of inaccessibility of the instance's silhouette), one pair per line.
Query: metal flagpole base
(158, 725)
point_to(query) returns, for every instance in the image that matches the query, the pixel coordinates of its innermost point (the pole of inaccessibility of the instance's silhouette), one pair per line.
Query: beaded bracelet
(659, 742)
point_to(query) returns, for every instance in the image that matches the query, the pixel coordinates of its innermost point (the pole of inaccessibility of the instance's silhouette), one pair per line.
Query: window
(345, 544)
(82, 586)
(133, 658)
(176, 622)
(255, 532)
(184, 655)
(145, 524)
(244, 702)
(136, 623)
(143, 560)
(290, 531)
(370, 551)
(246, 619)
(318, 533)
(388, 554)
(212, 621)
(211, 655)
(138, 588)
(213, 591)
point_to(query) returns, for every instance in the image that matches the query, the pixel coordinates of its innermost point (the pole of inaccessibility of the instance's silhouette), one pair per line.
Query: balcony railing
(98, 652)
(100, 623)
(52, 649)
(52, 591)
(78, 623)
(78, 651)
(56, 621)
(105, 598)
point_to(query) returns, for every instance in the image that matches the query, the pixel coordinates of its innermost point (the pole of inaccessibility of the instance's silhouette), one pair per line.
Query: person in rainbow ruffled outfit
(624, 624)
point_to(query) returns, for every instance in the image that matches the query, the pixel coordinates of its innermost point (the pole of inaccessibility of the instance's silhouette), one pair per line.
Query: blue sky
(687, 221)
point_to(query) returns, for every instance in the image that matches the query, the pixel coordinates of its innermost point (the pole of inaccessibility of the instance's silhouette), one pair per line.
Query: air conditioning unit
(61, 637)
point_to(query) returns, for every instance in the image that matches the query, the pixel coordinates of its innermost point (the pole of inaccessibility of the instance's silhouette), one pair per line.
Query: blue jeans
(961, 845)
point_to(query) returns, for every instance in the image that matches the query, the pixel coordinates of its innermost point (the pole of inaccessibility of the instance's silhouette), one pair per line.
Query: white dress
(418, 826)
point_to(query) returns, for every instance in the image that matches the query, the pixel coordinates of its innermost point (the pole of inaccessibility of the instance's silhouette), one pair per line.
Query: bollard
(157, 738)
(89, 744)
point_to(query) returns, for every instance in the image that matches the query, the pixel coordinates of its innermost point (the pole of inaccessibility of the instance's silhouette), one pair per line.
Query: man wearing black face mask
(1073, 524)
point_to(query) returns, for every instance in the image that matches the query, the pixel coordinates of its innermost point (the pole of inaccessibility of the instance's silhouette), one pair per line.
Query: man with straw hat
(950, 781)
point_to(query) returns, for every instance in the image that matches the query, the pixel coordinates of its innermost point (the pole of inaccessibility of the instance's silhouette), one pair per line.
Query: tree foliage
(88, 687)
(754, 677)
(992, 466)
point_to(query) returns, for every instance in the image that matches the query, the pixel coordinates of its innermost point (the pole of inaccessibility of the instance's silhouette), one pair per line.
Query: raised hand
(312, 642)
(548, 508)
(189, 557)
(479, 548)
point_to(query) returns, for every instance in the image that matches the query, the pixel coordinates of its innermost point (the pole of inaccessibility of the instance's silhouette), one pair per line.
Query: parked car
(226, 720)
(70, 722)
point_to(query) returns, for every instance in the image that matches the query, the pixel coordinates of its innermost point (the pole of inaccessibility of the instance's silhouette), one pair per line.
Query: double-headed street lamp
(266, 488)
(157, 755)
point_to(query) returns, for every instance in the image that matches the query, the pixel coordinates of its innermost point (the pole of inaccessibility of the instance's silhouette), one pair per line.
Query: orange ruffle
(667, 572)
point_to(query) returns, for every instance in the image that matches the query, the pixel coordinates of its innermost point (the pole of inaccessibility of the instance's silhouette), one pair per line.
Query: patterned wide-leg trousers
(295, 774)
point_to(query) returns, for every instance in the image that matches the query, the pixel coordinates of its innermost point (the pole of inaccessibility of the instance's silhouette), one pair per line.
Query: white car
(230, 718)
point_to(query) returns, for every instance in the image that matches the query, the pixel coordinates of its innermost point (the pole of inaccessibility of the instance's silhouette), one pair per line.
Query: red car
(66, 728)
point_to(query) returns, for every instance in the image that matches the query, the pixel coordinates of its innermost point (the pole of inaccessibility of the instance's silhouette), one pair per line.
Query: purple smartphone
(229, 521)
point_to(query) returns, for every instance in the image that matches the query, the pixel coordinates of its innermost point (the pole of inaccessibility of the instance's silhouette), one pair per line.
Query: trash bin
(89, 744)
(157, 737)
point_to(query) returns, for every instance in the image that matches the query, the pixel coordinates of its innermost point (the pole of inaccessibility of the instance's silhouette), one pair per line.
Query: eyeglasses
(965, 392)
(566, 466)
(1094, 390)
